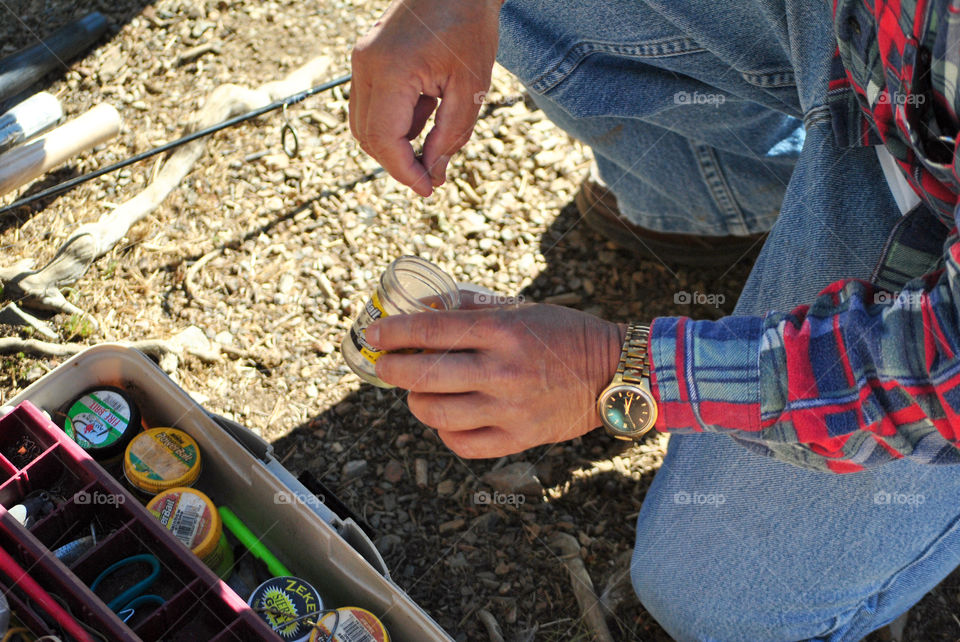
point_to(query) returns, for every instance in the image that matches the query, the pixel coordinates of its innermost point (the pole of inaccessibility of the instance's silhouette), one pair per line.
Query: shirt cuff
(705, 375)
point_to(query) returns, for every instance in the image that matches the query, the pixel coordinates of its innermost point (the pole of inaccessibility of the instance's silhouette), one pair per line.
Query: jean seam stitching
(771, 79)
(576, 54)
(716, 182)
(816, 115)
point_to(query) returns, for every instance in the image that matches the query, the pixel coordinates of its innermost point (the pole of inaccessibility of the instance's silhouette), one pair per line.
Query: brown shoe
(598, 206)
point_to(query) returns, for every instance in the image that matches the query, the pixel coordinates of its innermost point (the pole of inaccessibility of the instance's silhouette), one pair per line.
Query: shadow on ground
(485, 554)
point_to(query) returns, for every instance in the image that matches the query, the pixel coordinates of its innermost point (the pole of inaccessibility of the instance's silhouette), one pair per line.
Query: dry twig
(41, 288)
(568, 549)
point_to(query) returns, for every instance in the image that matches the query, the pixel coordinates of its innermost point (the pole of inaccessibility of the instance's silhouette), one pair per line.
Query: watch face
(627, 411)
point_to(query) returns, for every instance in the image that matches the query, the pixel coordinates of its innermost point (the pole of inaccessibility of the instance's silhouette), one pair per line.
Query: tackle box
(329, 551)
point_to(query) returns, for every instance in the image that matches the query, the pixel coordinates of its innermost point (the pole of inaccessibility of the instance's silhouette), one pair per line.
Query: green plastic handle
(251, 542)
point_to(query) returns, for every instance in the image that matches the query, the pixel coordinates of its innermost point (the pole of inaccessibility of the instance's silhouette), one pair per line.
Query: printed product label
(98, 419)
(185, 515)
(354, 625)
(372, 311)
(161, 456)
(283, 601)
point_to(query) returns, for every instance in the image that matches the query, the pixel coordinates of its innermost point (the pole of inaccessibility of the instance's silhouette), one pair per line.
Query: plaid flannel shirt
(867, 372)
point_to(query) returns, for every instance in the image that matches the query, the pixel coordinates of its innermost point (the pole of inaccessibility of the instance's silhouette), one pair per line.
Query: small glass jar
(409, 284)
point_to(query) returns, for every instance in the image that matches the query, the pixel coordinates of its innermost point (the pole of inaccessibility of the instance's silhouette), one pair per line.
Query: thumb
(453, 125)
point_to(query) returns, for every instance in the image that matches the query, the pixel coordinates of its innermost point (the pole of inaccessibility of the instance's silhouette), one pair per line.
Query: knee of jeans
(696, 598)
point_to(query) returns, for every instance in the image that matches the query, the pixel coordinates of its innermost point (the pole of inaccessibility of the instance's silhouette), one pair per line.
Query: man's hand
(501, 380)
(418, 52)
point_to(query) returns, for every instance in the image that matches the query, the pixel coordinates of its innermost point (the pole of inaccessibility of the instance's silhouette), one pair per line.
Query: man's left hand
(500, 380)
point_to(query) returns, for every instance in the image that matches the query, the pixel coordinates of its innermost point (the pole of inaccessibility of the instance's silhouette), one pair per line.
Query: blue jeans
(710, 118)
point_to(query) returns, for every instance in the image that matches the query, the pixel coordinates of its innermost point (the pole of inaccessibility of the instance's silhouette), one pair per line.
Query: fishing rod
(280, 104)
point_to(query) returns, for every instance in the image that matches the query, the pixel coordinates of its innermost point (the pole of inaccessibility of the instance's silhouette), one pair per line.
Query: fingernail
(440, 171)
(372, 334)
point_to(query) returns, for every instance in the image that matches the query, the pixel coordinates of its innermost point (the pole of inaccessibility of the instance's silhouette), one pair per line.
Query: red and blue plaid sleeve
(857, 378)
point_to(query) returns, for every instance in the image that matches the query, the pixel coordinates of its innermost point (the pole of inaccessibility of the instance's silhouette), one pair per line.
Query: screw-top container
(193, 519)
(160, 459)
(102, 421)
(409, 284)
(349, 624)
(289, 605)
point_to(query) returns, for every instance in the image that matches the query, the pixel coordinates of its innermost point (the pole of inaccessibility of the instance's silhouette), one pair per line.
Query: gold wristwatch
(627, 407)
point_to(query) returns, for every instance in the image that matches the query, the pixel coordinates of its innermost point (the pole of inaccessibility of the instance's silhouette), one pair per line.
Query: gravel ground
(289, 250)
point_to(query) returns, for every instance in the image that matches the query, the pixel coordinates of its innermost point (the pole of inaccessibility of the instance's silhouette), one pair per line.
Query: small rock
(192, 339)
(527, 265)
(35, 373)
(433, 241)
(274, 204)
(276, 161)
(452, 525)
(110, 63)
(446, 487)
(311, 391)
(224, 338)
(403, 439)
(388, 544)
(458, 561)
(420, 472)
(393, 471)
(495, 212)
(519, 477)
(327, 347)
(549, 157)
(473, 224)
(567, 298)
(286, 283)
(354, 468)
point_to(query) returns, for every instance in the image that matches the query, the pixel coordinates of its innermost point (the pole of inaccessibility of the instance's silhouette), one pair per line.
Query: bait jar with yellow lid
(161, 458)
(193, 519)
(349, 624)
(409, 284)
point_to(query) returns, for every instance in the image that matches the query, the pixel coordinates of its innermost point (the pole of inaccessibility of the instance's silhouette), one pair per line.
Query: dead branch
(568, 549)
(188, 284)
(168, 352)
(41, 288)
(491, 624)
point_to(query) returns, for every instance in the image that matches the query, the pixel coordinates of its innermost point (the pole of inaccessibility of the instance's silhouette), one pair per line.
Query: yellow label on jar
(372, 311)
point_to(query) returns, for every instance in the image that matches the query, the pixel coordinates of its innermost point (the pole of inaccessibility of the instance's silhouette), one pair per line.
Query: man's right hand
(418, 52)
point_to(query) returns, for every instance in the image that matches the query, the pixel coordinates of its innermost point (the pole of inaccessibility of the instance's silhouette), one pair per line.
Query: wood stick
(23, 164)
(568, 549)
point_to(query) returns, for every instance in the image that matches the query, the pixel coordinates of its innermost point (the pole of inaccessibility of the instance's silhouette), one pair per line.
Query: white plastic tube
(25, 120)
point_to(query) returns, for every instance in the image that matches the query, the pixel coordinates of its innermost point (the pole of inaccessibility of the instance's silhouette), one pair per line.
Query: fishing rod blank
(73, 182)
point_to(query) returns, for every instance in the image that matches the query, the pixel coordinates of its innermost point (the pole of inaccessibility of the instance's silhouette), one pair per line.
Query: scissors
(125, 604)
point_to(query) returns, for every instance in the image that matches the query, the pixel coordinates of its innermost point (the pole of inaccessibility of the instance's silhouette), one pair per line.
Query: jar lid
(162, 458)
(350, 624)
(191, 516)
(282, 602)
(102, 421)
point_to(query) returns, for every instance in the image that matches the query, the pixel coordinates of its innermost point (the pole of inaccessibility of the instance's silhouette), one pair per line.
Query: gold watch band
(634, 366)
